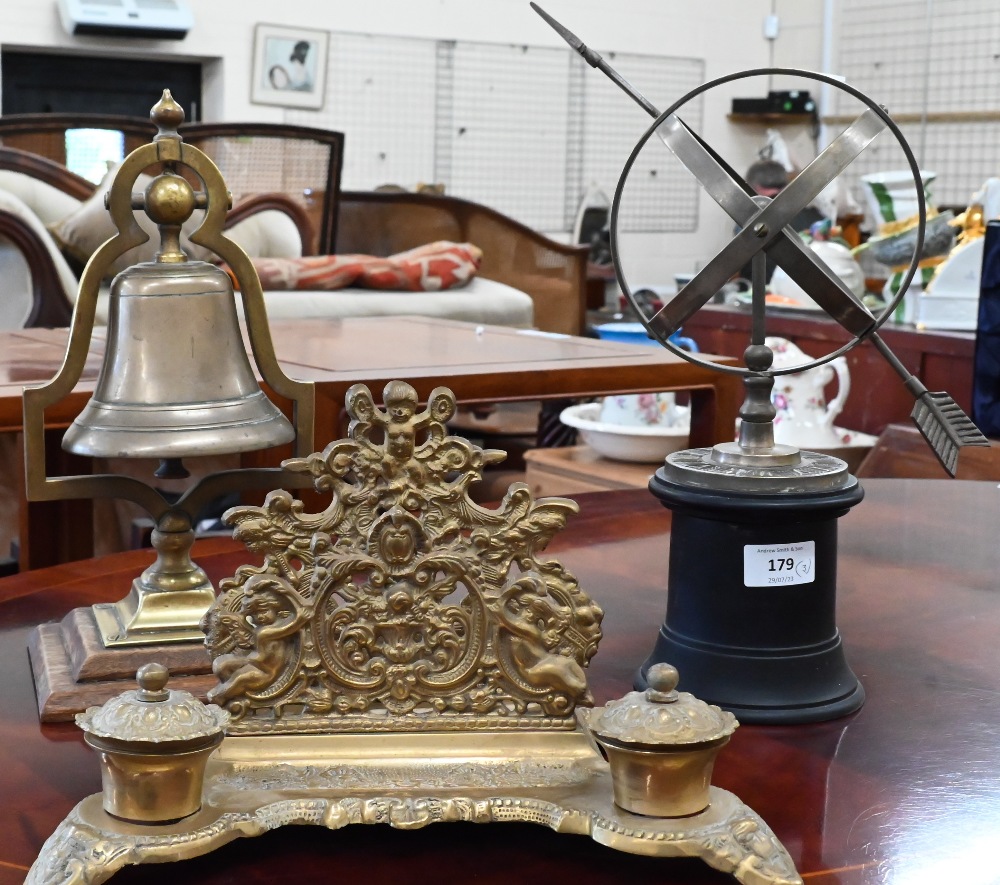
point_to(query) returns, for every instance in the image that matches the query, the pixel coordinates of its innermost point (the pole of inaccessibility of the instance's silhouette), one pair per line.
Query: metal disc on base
(751, 601)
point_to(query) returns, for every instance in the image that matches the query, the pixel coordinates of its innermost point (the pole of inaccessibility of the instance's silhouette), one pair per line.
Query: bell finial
(169, 199)
(167, 115)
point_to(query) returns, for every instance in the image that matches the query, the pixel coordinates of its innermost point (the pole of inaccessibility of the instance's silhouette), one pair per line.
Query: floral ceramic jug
(804, 417)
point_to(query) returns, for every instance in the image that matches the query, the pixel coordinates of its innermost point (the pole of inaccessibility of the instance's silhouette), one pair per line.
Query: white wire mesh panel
(964, 155)
(509, 129)
(934, 65)
(667, 199)
(522, 129)
(882, 51)
(380, 93)
(963, 70)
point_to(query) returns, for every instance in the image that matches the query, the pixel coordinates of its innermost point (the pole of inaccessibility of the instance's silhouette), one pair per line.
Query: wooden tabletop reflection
(907, 790)
(475, 361)
(480, 364)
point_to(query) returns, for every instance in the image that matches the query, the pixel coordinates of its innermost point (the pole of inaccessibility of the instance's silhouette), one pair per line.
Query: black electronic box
(794, 102)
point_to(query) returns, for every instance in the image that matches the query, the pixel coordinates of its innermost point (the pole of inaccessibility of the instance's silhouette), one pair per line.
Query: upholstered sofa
(287, 203)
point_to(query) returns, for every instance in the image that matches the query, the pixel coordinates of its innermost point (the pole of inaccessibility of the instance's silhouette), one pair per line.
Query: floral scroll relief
(402, 605)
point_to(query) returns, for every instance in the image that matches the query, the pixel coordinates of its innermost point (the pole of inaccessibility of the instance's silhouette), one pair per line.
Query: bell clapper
(171, 468)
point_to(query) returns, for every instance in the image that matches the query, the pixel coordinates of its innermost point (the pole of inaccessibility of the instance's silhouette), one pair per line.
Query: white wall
(727, 34)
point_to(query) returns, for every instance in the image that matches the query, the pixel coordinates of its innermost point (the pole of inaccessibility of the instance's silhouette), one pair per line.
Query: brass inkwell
(661, 745)
(154, 744)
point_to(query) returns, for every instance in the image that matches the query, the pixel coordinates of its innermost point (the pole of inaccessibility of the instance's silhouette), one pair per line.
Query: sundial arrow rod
(595, 60)
(664, 322)
(939, 418)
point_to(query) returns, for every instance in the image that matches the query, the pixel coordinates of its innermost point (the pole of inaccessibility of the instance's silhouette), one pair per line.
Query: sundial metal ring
(763, 226)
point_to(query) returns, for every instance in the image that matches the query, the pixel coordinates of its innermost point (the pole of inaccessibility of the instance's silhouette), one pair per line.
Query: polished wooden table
(905, 791)
(480, 364)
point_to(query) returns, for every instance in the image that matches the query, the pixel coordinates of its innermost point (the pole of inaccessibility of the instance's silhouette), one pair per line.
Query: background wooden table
(571, 470)
(904, 792)
(480, 364)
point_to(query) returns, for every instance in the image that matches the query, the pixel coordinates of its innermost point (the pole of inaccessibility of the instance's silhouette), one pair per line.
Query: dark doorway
(35, 82)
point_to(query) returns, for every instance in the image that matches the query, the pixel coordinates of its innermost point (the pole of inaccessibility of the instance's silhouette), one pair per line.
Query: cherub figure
(536, 623)
(402, 422)
(272, 608)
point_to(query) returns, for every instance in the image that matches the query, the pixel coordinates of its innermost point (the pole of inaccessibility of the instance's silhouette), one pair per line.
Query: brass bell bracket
(160, 598)
(168, 601)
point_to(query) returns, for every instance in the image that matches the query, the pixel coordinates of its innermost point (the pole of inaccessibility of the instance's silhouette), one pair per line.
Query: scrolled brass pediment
(403, 605)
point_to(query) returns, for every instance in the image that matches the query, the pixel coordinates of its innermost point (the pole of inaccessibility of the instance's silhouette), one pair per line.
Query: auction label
(773, 565)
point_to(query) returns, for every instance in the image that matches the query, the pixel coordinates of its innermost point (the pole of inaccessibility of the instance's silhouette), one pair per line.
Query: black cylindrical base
(768, 652)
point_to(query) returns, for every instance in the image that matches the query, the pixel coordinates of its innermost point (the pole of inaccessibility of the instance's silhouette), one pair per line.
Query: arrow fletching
(945, 427)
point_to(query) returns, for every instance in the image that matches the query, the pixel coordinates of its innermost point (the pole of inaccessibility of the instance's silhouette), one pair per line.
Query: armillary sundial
(752, 637)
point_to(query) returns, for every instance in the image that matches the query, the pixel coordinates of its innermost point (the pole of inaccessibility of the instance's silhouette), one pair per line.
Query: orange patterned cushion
(429, 268)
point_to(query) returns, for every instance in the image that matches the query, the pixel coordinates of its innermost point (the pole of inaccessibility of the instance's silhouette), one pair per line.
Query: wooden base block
(573, 469)
(73, 670)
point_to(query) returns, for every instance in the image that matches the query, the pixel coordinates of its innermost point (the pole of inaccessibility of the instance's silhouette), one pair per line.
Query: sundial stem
(758, 289)
(757, 412)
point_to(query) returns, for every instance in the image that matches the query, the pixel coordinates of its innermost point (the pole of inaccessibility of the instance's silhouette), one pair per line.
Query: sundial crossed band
(763, 222)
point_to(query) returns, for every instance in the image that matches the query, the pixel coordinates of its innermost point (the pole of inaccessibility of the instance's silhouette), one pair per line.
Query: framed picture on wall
(289, 66)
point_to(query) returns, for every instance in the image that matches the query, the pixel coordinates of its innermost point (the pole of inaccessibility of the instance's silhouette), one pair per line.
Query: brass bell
(176, 381)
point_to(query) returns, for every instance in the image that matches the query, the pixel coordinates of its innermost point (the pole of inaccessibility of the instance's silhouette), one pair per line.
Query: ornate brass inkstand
(408, 657)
